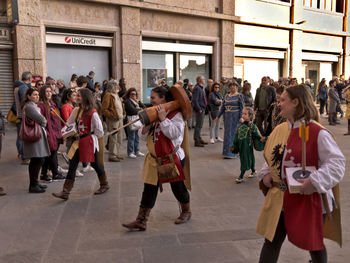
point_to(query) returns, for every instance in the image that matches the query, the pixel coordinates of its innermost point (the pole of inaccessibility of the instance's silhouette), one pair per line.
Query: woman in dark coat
(132, 107)
(36, 151)
(214, 101)
(53, 128)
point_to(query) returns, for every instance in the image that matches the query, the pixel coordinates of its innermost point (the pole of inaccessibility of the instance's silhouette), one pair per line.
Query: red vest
(303, 213)
(86, 144)
(164, 146)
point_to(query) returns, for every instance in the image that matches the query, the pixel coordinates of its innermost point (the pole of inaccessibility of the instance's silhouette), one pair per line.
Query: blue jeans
(19, 142)
(133, 141)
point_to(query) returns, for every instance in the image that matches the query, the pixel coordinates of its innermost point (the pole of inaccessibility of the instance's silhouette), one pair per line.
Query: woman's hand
(241, 120)
(162, 113)
(263, 139)
(267, 180)
(307, 188)
(216, 119)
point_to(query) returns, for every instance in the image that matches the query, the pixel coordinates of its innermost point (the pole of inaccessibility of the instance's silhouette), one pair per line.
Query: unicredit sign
(80, 41)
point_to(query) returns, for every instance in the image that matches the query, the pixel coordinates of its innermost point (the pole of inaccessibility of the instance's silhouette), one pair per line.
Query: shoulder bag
(30, 130)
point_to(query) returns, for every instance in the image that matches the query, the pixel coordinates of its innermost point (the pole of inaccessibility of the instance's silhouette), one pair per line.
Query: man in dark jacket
(2, 134)
(19, 94)
(90, 84)
(265, 96)
(199, 103)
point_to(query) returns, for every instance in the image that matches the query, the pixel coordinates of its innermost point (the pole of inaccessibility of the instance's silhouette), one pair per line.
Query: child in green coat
(246, 139)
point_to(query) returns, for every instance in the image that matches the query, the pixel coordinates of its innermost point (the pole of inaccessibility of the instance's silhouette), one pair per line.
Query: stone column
(296, 69)
(27, 38)
(227, 49)
(131, 47)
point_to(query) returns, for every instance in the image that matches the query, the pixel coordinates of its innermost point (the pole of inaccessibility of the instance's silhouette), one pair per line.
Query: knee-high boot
(103, 184)
(141, 220)
(67, 187)
(185, 214)
(348, 133)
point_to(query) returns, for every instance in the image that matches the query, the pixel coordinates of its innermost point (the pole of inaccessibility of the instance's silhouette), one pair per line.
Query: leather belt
(280, 185)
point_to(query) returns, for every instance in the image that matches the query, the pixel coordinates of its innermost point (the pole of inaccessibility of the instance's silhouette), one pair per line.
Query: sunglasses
(132, 94)
(40, 84)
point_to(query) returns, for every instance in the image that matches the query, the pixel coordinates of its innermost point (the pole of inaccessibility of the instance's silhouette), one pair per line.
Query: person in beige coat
(112, 109)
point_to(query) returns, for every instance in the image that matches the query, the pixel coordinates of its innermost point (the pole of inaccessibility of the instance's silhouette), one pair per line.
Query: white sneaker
(79, 174)
(212, 141)
(131, 155)
(219, 139)
(140, 154)
(61, 170)
(323, 116)
(88, 169)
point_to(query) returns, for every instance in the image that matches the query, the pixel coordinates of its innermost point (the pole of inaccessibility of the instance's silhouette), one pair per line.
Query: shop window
(328, 5)
(3, 8)
(155, 67)
(193, 65)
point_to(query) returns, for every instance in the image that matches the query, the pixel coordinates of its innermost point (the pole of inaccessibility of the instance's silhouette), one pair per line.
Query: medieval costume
(275, 117)
(246, 139)
(167, 142)
(298, 216)
(232, 110)
(85, 148)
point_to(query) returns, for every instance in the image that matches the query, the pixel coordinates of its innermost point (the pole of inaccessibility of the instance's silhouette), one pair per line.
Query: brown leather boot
(141, 220)
(348, 133)
(103, 184)
(185, 214)
(67, 187)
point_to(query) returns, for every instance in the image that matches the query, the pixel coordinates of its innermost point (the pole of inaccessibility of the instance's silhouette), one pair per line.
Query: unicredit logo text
(80, 41)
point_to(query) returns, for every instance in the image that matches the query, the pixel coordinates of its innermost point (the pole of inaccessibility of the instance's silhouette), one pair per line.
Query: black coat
(214, 104)
(130, 108)
(270, 97)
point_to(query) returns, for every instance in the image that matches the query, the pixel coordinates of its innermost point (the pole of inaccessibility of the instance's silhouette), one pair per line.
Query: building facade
(144, 41)
(306, 39)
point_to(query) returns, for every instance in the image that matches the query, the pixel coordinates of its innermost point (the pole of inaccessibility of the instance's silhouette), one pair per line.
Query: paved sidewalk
(87, 228)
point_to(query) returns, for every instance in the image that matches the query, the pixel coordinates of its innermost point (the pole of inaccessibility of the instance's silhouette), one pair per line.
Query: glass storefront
(172, 61)
(155, 67)
(193, 65)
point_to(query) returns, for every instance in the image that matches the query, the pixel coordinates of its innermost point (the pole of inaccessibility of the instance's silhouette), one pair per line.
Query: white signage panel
(79, 40)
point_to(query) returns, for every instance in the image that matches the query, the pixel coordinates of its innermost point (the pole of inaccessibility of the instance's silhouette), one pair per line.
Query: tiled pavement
(87, 228)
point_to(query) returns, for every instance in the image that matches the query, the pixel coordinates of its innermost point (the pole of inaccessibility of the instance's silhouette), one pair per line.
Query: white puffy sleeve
(263, 171)
(331, 163)
(173, 128)
(96, 125)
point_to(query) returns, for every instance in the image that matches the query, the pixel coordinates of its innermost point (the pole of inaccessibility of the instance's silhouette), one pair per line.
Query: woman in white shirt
(301, 217)
(165, 142)
(90, 129)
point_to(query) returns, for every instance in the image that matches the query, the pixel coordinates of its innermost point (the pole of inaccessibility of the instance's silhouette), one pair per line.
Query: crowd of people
(270, 122)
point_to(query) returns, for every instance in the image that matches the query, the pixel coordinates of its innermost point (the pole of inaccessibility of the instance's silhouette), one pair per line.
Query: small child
(246, 139)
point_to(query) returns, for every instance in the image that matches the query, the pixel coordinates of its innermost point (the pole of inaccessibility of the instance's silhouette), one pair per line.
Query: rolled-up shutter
(6, 80)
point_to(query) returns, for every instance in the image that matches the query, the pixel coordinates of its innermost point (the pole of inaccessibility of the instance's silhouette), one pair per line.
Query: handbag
(264, 189)
(169, 170)
(135, 126)
(30, 130)
(11, 117)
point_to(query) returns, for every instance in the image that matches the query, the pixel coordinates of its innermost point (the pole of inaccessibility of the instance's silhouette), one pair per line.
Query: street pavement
(87, 228)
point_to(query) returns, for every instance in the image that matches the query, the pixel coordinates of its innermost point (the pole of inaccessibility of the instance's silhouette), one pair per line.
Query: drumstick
(117, 130)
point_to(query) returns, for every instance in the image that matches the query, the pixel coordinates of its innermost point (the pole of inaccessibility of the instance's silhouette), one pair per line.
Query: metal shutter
(6, 81)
